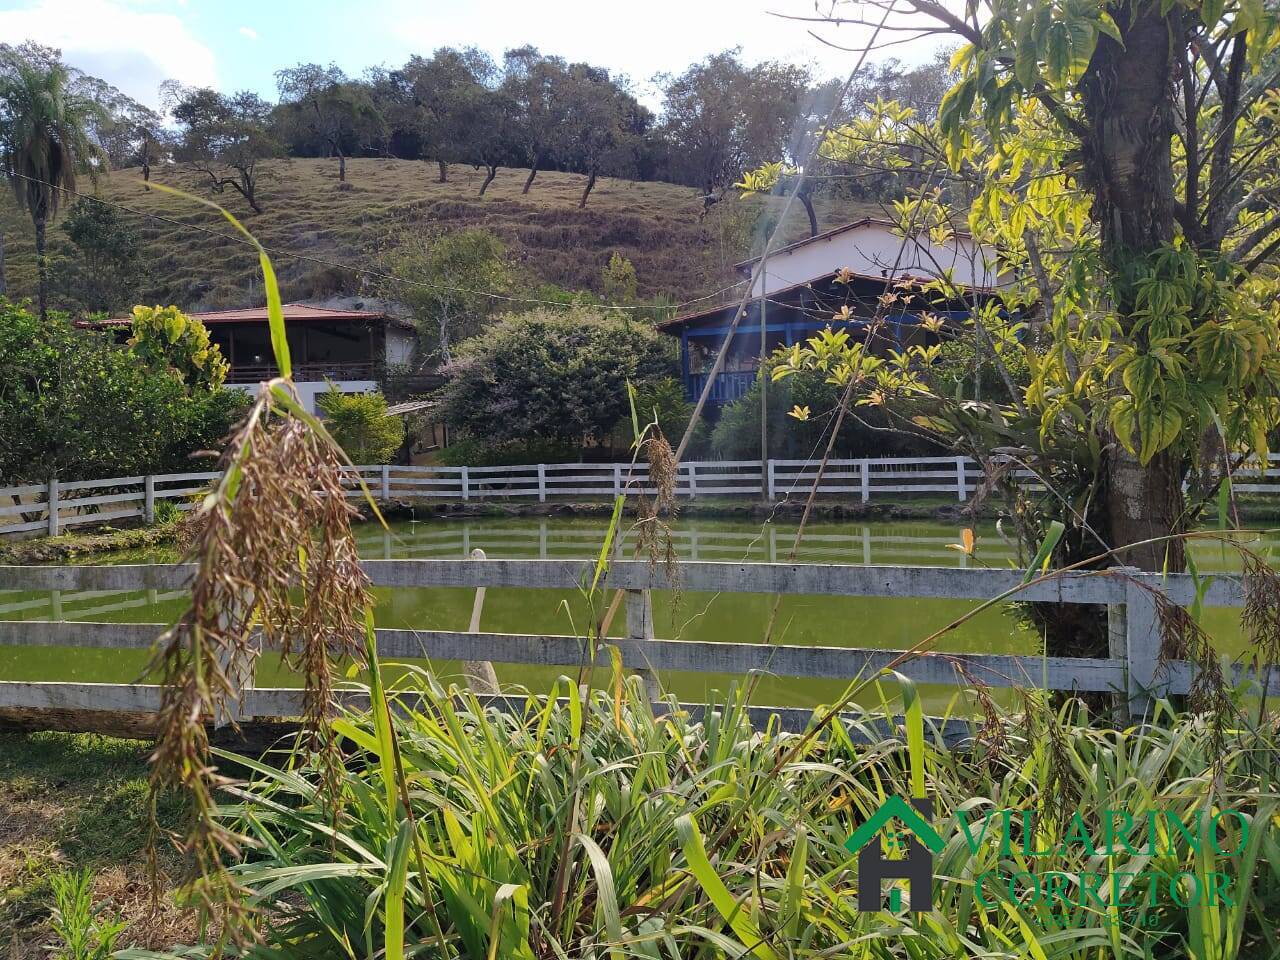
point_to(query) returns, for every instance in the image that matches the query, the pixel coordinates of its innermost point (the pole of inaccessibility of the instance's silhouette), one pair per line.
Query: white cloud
(249, 32)
(136, 50)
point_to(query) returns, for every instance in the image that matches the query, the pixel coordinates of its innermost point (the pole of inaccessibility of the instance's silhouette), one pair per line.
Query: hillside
(306, 212)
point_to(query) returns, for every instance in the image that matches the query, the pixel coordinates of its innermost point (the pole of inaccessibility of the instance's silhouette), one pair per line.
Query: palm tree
(44, 139)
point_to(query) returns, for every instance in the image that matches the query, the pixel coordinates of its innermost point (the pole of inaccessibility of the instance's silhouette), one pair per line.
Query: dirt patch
(71, 802)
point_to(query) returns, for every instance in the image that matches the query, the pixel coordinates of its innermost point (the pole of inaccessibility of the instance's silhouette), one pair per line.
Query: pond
(887, 623)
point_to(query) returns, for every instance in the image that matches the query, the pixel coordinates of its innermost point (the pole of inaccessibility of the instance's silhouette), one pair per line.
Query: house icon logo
(921, 841)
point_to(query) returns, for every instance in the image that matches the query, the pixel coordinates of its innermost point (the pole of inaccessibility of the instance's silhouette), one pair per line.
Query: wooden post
(480, 675)
(1117, 649)
(771, 483)
(466, 484)
(149, 499)
(640, 628)
(764, 358)
(386, 483)
(962, 481)
(864, 466)
(617, 479)
(693, 481)
(1142, 646)
(542, 483)
(52, 501)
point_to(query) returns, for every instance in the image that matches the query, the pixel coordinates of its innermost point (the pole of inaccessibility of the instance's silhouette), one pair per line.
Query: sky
(238, 44)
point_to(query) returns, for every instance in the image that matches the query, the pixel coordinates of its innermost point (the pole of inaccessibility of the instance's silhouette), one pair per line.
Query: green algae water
(878, 622)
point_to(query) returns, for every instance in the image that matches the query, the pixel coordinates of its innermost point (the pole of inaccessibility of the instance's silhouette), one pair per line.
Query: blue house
(807, 287)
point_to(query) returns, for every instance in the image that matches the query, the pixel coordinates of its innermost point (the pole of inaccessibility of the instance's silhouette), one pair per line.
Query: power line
(321, 261)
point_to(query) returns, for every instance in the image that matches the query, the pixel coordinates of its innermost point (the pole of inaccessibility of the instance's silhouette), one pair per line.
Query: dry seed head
(276, 566)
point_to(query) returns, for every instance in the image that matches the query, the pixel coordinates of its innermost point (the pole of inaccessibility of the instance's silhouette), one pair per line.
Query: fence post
(639, 629)
(962, 480)
(480, 675)
(617, 479)
(1142, 644)
(386, 483)
(149, 499)
(51, 500)
(693, 481)
(466, 484)
(1118, 649)
(542, 483)
(773, 482)
(864, 466)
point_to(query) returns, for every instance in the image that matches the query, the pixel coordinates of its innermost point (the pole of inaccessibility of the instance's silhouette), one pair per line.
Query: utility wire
(366, 271)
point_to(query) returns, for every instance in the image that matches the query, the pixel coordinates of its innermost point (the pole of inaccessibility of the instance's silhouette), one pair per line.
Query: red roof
(293, 312)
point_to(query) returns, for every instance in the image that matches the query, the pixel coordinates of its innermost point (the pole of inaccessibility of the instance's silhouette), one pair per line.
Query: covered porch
(791, 317)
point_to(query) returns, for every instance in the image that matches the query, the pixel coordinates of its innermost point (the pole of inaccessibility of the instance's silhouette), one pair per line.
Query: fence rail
(56, 505)
(1134, 670)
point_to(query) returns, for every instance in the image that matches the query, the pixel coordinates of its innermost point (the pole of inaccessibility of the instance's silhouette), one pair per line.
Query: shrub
(476, 452)
(864, 433)
(557, 377)
(166, 339)
(76, 406)
(359, 422)
(664, 401)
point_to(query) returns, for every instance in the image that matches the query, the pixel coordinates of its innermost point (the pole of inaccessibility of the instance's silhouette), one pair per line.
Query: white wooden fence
(56, 505)
(1133, 671)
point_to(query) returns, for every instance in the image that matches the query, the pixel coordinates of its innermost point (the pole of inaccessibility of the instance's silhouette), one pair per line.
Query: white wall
(873, 250)
(309, 389)
(399, 346)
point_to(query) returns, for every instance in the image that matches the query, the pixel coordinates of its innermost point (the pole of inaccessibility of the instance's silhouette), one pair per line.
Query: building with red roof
(353, 349)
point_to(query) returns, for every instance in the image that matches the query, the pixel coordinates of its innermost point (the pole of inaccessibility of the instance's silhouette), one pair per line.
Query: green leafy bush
(76, 406)
(863, 433)
(552, 377)
(359, 422)
(663, 400)
(166, 339)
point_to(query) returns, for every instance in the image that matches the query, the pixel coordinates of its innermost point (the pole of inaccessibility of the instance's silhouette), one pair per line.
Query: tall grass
(580, 829)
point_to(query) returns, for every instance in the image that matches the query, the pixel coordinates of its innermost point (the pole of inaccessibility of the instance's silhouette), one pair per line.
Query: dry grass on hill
(306, 211)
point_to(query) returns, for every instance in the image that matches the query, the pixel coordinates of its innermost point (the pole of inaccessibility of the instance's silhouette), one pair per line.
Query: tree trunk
(248, 190)
(342, 167)
(42, 270)
(444, 171)
(813, 217)
(1128, 107)
(532, 173)
(1145, 503)
(3, 285)
(446, 354)
(488, 178)
(591, 183)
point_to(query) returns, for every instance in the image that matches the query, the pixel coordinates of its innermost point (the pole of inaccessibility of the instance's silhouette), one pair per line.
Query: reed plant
(458, 821)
